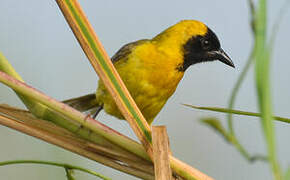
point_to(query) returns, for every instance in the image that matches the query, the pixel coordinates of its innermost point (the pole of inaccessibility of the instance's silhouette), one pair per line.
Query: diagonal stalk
(70, 142)
(104, 68)
(262, 68)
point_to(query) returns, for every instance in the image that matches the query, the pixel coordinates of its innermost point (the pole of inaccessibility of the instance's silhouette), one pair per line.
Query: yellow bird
(152, 68)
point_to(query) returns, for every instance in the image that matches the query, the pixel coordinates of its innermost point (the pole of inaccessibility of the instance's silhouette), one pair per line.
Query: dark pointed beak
(223, 57)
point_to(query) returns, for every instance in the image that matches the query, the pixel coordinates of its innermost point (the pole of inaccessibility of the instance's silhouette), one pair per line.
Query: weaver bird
(152, 68)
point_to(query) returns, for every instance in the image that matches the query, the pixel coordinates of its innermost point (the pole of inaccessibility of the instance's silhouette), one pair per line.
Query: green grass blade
(216, 125)
(262, 67)
(236, 90)
(237, 112)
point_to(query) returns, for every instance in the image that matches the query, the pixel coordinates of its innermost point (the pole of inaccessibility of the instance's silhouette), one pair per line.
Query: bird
(151, 69)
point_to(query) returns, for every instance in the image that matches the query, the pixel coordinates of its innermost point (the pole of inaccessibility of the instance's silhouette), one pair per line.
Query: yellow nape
(181, 32)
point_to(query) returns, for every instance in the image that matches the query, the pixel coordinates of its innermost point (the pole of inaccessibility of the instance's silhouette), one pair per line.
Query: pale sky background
(38, 42)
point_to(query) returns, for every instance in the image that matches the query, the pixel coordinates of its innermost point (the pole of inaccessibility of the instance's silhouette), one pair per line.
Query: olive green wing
(82, 103)
(126, 50)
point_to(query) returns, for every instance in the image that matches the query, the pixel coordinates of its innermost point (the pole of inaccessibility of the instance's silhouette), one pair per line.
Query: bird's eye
(205, 44)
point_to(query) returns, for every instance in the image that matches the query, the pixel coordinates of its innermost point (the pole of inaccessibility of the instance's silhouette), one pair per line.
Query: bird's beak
(223, 57)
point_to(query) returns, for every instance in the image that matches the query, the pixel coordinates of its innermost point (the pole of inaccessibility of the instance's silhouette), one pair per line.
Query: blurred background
(37, 41)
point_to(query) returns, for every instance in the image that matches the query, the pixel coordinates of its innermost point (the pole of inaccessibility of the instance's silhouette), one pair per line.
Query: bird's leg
(97, 111)
(94, 117)
(175, 176)
(82, 126)
(89, 115)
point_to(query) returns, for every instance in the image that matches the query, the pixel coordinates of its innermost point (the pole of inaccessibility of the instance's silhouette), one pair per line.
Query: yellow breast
(151, 77)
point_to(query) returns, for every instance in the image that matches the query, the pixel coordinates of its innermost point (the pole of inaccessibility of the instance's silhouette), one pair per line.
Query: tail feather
(86, 103)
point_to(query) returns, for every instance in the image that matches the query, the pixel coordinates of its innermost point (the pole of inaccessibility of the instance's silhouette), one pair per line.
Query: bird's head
(196, 41)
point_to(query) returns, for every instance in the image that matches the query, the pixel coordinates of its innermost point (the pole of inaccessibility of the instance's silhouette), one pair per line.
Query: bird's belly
(149, 100)
(149, 97)
(149, 90)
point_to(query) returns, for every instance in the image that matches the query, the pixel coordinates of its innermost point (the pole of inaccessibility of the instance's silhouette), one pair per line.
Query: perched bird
(152, 68)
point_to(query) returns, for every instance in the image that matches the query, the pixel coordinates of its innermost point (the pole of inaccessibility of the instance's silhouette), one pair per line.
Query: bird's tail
(86, 103)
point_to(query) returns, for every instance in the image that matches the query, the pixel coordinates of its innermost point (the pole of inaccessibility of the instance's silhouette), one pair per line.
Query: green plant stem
(236, 90)
(69, 174)
(238, 85)
(262, 56)
(66, 166)
(253, 14)
(238, 112)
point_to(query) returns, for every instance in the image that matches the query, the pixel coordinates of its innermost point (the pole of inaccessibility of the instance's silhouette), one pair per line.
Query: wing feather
(126, 50)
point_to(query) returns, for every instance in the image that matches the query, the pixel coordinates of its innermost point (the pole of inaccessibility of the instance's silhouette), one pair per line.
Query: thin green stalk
(243, 74)
(63, 165)
(69, 174)
(267, 123)
(236, 90)
(262, 55)
(238, 112)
